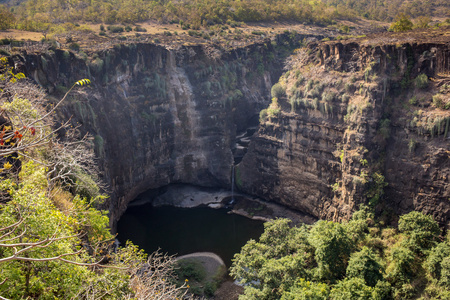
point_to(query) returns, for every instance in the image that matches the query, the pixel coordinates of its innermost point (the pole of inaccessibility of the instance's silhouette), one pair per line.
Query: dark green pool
(186, 230)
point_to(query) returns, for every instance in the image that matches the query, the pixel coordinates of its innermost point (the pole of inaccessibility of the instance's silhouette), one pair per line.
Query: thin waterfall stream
(232, 186)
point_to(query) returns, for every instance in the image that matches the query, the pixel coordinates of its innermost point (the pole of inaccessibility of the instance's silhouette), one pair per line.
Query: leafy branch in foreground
(28, 125)
(54, 244)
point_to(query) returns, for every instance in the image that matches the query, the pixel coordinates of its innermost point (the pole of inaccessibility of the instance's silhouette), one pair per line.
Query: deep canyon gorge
(342, 131)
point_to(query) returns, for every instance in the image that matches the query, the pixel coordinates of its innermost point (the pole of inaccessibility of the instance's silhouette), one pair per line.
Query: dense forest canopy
(32, 14)
(358, 259)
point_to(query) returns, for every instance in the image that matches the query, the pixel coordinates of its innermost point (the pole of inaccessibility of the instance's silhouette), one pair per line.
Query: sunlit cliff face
(340, 136)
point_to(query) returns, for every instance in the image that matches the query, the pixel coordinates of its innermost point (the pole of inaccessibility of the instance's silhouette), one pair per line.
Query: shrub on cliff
(421, 81)
(278, 90)
(262, 116)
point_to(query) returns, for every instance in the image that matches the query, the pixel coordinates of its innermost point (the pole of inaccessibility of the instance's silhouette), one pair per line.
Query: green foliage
(74, 46)
(357, 227)
(332, 249)
(24, 278)
(272, 111)
(328, 96)
(422, 22)
(272, 265)
(99, 144)
(7, 18)
(307, 290)
(365, 265)
(412, 145)
(376, 189)
(140, 29)
(351, 288)
(43, 219)
(435, 258)
(438, 101)
(278, 91)
(54, 243)
(445, 272)
(422, 231)
(115, 29)
(385, 128)
(352, 260)
(190, 269)
(421, 81)
(403, 266)
(97, 65)
(37, 14)
(257, 32)
(402, 23)
(382, 291)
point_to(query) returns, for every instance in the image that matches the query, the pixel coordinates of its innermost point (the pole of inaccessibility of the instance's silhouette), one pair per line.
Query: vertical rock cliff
(159, 115)
(357, 122)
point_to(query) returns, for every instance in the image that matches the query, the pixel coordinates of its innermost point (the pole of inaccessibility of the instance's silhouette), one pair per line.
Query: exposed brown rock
(324, 156)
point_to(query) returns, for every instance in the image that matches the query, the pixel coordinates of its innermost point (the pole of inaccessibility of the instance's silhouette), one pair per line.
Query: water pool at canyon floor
(186, 230)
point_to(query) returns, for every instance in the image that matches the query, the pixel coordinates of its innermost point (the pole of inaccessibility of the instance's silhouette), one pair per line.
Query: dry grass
(61, 199)
(21, 35)
(269, 28)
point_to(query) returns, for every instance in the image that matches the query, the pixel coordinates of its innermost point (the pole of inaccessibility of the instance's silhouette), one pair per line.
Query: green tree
(421, 81)
(332, 249)
(402, 23)
(272, 265)
(357, 228)
(7, 18)
(278, 90)
(53, 244)
(351, 288)
(307, 290)
(433, 263)
(403, 266)
(421, 231)
(365, 265)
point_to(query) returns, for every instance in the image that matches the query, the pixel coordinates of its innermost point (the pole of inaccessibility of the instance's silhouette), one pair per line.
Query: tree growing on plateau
(7, 18)
(402, 23)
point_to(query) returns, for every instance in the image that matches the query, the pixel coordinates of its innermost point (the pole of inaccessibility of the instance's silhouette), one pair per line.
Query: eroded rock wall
(356, 126)
(160, 116)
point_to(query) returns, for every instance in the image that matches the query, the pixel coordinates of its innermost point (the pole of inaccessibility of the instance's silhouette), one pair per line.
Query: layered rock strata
(357, 122)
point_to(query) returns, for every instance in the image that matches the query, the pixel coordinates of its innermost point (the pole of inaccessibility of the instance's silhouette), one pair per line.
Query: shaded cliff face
(161, 116)
(358, 123)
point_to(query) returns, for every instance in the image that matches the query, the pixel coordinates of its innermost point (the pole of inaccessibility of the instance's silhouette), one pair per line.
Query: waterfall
(232, 186)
